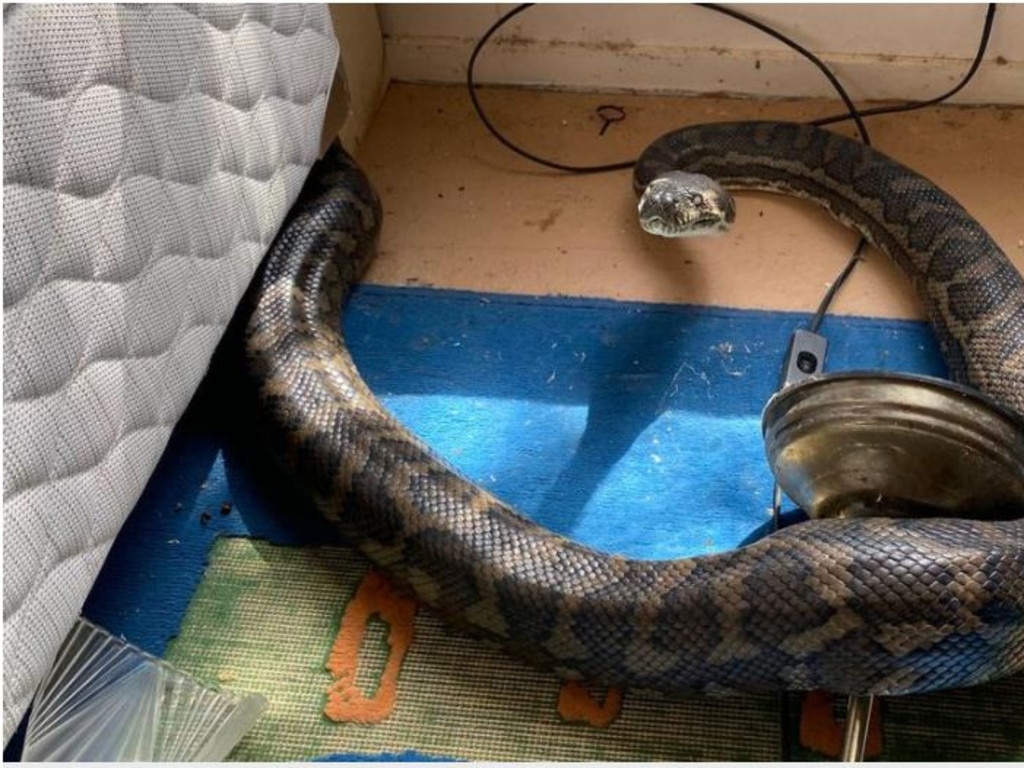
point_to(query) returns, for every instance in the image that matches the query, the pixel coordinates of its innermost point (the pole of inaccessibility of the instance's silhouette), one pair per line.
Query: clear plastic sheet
(106, 700)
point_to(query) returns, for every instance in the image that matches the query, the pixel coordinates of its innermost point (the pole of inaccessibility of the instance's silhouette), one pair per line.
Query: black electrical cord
(471, 86)
(986, 33)
(853, 113)
(830, 294)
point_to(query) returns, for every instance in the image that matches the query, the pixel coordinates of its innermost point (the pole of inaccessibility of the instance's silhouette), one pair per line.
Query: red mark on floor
(821, 732)
(374, 597)
(577, 705)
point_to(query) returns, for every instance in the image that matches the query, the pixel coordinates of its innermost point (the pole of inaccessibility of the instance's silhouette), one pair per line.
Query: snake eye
(696, 199)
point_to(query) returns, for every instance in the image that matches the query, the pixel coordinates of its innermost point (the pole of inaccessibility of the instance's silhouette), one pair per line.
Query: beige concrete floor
(461, 211)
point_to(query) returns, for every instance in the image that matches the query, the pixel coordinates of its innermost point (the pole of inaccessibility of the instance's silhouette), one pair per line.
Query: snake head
(680, 204)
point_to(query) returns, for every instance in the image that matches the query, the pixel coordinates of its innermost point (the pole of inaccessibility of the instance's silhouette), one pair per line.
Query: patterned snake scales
(867, 605)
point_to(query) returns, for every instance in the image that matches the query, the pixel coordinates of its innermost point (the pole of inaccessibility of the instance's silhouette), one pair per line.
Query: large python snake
(863, 605)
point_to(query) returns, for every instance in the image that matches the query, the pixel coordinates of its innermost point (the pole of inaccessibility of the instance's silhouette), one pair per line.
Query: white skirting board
(878, 52)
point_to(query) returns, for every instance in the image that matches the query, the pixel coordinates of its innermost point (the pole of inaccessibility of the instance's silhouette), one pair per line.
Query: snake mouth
(703, 226)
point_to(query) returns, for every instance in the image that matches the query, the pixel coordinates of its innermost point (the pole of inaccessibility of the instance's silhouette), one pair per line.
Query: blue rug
(632, 427)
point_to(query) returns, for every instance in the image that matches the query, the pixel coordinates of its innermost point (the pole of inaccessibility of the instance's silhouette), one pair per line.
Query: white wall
(878, 50)
(361, 78)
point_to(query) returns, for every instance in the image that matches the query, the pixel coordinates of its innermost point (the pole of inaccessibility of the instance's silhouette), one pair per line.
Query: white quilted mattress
(150, 155)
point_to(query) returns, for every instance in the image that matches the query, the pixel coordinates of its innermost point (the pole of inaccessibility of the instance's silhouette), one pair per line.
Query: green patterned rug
(349, 666)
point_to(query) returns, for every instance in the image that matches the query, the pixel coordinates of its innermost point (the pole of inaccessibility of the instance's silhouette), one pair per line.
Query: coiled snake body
(865, 605)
